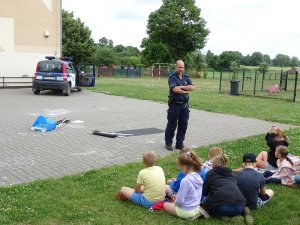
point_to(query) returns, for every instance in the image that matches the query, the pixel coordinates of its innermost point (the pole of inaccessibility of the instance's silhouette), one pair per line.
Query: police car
(62, 74)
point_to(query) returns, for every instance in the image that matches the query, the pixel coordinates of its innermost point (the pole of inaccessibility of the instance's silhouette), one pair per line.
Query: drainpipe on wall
(60, 53)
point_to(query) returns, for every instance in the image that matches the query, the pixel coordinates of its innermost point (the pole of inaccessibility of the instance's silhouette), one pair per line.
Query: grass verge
(88, 198)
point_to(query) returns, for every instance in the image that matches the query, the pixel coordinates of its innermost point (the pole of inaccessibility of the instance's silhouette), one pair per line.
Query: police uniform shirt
(175, 81)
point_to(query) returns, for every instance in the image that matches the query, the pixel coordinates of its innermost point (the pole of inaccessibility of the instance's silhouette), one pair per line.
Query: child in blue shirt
(173, 184)
(187, 203)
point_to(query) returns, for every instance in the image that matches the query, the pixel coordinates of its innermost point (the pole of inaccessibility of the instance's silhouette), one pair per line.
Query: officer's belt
(179, 103)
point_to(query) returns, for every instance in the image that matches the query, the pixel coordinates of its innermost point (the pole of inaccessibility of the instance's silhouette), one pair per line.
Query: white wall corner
(7, 36)
(48, 4)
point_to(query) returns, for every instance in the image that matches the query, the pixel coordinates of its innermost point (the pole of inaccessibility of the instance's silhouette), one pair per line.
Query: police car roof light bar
(65, 58)
(50, 57)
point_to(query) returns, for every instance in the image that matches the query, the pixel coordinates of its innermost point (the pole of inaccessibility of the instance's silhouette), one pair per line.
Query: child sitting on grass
(150, 185)
(207, 165)
(222, 195)
(187, 203)
(275, 137)
(286, 169)
(173, 184)
(252, 183)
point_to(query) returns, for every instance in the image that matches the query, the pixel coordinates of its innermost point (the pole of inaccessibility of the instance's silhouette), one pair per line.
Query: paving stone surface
(26, 155)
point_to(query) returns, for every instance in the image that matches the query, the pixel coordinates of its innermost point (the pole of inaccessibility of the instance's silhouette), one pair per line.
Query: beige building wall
(29, 30)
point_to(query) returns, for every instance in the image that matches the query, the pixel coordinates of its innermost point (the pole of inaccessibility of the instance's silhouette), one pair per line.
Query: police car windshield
(50, 66)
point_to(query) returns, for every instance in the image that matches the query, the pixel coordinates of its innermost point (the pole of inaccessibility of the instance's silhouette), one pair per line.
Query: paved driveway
(26, 155)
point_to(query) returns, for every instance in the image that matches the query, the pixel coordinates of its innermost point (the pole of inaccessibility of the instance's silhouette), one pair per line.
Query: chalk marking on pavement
(76, 126)
(77, 121)
(56, 112)
(84, 153)
(17, 162)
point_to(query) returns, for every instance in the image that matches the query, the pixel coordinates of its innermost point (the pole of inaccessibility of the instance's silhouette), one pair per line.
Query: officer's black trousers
(178, 114)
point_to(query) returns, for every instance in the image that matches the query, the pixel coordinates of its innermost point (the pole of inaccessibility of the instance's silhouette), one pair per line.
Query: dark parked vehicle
(62, 74)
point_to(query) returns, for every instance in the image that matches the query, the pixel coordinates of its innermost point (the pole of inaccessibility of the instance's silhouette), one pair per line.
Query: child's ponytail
(196, 161)
(289, 160)
(190, 159)
(220, 160)
(283, 151)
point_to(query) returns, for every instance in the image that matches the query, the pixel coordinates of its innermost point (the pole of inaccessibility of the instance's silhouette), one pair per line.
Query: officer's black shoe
(180, 148)
(169, 147)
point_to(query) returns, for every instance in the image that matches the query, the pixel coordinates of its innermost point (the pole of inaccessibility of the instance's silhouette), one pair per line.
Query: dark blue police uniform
(178, 112)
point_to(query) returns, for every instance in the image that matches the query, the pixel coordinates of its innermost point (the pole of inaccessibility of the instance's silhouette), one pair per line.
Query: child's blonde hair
(279, 133)
(185, 150)
(220, 160)
(149, 158)
(214, 151)
(190, 160)
(283, 151)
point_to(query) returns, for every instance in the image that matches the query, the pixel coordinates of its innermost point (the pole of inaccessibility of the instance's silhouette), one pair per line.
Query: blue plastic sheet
(43, 124)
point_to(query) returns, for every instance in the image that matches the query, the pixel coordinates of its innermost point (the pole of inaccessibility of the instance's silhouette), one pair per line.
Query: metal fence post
(255, 82)
(243, 80)
(263, 80)
(220, 81)
(280, 83)
(286, 79)
(295, 87)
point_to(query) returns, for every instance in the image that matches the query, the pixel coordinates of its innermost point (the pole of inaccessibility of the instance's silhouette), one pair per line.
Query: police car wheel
(36, 92)
(67, 91)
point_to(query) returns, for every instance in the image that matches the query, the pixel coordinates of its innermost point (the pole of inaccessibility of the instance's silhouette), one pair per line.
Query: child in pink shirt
(286, 169)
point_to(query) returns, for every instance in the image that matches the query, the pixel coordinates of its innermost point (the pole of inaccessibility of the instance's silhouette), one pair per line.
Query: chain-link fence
(119, 72)
(273, 84)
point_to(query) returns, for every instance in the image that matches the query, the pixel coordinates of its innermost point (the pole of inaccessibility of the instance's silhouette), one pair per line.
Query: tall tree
(134, 61)
(154, 52)
(263, 67)
(246, 60)
(200, 62)
(282, 60)
(128, 56)
(228, 57)
(104, 42)
(76, 39)
(217, 61)
(267, 59)
(256, 58)
(295, 61)
(177, 24)
(234, 67)
(128, 51)
(211, 60)
(104, 56)
(120, 48)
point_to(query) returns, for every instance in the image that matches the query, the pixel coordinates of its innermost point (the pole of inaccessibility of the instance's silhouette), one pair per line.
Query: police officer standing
(178, 113)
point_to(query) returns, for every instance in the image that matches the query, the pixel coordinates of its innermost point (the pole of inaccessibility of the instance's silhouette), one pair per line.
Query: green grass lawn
(88, 198)
(205, 97)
